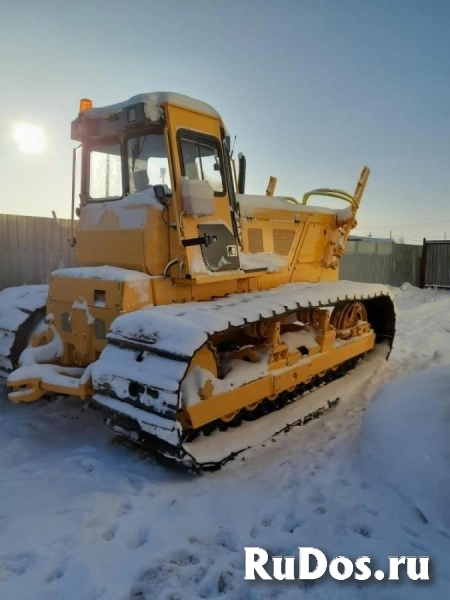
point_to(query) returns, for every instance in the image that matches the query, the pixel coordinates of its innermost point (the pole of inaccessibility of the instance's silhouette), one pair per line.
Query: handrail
(354, 200)
(341, 195)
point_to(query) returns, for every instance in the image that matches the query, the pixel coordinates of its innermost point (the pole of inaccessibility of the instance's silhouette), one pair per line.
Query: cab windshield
(147, 162)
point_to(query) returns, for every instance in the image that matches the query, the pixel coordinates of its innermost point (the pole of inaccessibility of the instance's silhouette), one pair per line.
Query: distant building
(375, 240)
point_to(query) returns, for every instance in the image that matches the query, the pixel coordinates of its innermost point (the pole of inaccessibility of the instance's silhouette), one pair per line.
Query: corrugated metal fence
(32, 247)
(381, 262)
(436, 264)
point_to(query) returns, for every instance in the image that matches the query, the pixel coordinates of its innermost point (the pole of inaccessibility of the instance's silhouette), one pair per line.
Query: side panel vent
(282, 241)
(255, 241)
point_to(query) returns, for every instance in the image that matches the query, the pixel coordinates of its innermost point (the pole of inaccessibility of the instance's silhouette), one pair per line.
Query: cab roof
(152, 102)
(136, 111)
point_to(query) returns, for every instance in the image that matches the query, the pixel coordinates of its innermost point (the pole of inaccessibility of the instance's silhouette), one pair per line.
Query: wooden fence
(33, 247)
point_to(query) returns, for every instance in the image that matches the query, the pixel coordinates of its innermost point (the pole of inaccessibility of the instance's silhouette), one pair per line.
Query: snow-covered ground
(82, 518)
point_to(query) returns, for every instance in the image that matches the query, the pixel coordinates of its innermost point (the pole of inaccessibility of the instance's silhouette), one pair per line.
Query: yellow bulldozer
(197, 311)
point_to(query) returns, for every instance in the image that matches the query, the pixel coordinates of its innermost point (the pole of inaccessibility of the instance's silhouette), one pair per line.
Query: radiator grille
(255, 241)
(282, 241)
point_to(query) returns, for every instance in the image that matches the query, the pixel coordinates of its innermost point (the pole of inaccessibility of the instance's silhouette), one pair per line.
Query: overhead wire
(405, 225)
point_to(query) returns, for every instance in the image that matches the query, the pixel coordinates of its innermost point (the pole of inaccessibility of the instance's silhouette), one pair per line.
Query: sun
(30, 138)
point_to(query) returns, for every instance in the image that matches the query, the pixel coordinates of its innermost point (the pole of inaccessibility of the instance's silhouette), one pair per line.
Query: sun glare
(30, 138)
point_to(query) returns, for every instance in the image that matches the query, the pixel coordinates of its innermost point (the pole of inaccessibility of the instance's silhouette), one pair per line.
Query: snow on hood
(250, 203)
(131, 212)
(152, 105)
(406, 441)
(106, 273)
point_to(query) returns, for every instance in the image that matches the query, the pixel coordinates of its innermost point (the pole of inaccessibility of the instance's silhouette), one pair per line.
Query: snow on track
(83, 519)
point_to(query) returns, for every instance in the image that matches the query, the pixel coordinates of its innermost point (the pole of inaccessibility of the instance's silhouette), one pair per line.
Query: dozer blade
(140, 377)
(22, 308)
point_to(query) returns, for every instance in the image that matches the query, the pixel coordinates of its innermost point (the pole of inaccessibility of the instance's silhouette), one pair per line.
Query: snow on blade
(17, 304)
(16, 301)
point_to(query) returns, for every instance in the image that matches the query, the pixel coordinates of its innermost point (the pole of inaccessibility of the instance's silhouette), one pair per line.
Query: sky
(313, 90)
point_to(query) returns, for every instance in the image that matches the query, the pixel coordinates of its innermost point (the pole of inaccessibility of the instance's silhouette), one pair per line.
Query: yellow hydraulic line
(332, 194)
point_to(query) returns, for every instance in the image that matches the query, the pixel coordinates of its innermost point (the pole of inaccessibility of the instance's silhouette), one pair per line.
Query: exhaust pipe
(242, 173)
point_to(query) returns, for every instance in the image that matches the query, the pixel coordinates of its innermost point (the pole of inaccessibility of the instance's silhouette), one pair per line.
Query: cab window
(105, 172)
(147, 162)
(201, 160)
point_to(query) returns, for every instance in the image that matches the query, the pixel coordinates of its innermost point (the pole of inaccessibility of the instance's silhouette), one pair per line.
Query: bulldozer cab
(128, 150)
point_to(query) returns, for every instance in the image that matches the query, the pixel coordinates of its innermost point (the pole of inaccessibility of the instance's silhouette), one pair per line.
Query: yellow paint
(32, 389)
(215, 407)
(83, 309)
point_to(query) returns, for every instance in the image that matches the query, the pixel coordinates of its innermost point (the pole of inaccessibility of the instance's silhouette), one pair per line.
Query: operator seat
(140, 181)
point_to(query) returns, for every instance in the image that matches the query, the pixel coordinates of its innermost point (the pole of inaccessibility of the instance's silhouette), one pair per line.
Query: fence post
(423, 265)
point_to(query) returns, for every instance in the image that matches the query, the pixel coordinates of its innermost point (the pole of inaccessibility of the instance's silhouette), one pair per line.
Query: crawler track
(267, 406)
(139, 374)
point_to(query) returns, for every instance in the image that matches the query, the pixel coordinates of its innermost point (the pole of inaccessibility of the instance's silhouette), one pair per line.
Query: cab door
(202, 190)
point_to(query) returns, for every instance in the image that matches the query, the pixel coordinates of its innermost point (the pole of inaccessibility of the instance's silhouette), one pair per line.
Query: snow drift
(406, 440)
